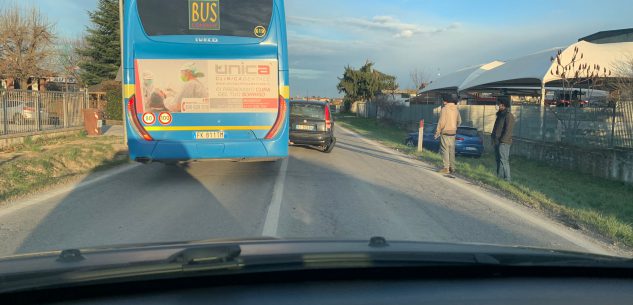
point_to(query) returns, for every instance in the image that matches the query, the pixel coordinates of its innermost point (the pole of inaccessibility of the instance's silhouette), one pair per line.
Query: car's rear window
(468, 132)
(313, 111)
(242, 18)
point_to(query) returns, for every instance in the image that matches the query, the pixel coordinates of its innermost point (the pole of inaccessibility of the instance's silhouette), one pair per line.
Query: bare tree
(418, 78)
(26, 40)
(574, 74)
(68, 58)
(387, 103)
(623, 86)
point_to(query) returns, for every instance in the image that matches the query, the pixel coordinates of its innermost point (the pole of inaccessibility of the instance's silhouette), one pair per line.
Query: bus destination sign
(204, 15)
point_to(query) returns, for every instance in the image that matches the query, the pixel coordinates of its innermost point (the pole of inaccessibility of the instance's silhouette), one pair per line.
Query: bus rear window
(242, 18)
(312, 111)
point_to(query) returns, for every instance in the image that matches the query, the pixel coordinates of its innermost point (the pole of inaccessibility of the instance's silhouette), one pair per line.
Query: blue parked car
(468, 142)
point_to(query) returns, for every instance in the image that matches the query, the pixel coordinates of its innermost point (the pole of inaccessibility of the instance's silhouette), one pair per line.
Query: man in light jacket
(447, 130)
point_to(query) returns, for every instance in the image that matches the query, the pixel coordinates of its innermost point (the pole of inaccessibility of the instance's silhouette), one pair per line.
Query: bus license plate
(306, 127)
(207, 135)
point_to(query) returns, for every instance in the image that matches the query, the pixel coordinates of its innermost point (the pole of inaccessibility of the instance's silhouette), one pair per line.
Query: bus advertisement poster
(209, 86)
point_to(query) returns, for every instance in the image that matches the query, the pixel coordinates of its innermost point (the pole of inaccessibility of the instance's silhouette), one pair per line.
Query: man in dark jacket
(502, 138)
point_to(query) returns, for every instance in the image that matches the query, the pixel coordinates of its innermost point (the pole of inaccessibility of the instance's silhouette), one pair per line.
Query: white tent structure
(520, 72)
(538, 69)
(535, 69)
(454, 81)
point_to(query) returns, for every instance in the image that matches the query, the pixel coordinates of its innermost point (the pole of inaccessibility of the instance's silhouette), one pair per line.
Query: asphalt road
(359, 190)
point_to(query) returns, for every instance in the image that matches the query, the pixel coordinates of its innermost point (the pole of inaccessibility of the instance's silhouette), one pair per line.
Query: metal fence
(24, 111)
(604, 127)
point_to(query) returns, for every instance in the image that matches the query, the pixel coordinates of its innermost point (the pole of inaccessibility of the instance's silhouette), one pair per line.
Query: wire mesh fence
(600, 126)
(23, 111)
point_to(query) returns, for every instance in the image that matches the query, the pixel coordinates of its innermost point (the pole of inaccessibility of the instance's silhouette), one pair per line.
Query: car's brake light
(133, 117)
(328, 118)
(459, 139)
(281, 118)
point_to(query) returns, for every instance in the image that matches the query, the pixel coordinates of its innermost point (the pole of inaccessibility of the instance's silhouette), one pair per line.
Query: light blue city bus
(205, 79)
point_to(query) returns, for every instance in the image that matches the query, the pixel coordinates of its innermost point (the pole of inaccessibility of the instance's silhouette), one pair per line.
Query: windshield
(468, 132)
(163, 121)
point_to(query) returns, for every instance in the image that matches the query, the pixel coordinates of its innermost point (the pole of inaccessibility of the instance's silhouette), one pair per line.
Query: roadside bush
(53, 87)
(114, 100)
(347, 105)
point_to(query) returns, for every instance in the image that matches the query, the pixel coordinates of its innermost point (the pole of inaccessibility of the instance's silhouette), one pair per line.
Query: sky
(69, 16)
(435, 37)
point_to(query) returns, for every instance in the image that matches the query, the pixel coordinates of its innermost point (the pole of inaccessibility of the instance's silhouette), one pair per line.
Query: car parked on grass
(312, 124)
(468, 141)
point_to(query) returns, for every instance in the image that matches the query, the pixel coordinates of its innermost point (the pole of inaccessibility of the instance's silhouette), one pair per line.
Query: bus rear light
(281, 118)
(328, 118)
(133, 116)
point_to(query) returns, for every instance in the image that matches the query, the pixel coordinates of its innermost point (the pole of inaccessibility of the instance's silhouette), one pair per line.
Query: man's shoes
(452, 170)
(444, 171)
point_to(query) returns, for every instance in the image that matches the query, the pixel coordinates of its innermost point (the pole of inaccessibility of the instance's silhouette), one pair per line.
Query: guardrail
(24, 112)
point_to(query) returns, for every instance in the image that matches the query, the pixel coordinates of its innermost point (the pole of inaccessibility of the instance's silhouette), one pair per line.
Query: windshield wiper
(74, 266)
(207, 258)
(193, 259)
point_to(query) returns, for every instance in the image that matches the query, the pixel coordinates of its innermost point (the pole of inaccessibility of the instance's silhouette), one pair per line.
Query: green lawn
(38, 164)
(600, 205)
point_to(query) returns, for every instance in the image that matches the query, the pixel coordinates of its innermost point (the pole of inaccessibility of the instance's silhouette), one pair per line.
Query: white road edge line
(57, 192)
(271, 223)
(576, 238)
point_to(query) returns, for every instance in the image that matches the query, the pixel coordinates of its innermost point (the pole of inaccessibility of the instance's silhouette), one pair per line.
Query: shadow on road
(155, 203)
(307, 147)
(380, 155)
(363, 146)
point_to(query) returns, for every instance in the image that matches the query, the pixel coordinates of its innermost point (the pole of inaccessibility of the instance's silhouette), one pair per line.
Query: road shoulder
(581, 238)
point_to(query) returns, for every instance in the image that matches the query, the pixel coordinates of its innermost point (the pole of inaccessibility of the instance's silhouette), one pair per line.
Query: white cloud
(328, 45)
(307, 74)
(405, 33)
(384, 24)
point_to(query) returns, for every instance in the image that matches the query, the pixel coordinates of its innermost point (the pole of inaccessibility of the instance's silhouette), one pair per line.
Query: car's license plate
(206, 135)
(305, 127)
(471, 149)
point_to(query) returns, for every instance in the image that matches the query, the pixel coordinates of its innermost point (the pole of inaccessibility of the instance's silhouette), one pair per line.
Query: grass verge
(580, 200)
(38, 164)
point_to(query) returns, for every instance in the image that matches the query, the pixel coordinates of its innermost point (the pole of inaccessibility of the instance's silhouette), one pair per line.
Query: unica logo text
(242, 69)
(204, 14)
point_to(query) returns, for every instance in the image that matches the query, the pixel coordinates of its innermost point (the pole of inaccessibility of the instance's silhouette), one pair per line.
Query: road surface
(359, 190)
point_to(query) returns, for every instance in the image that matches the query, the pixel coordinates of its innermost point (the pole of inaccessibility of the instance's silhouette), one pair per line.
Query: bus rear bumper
(159, 151)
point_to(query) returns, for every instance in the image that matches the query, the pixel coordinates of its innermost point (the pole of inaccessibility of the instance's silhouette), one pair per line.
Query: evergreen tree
(365, 83)
(103, 45)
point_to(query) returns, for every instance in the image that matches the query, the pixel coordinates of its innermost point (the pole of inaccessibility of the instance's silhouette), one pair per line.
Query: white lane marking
(271, 223)
(505, 204)
(57, 192)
